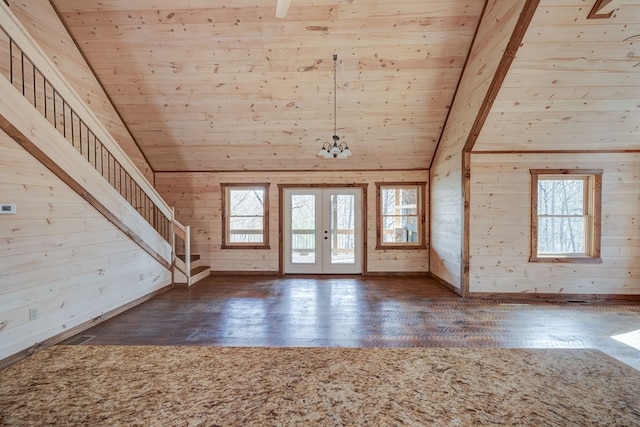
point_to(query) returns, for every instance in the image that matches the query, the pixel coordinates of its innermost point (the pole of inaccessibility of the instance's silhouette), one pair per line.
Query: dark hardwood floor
(330, 311)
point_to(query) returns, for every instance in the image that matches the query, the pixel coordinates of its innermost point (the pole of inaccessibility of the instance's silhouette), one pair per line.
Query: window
(400, 218)
(245, 216)
(565, 215)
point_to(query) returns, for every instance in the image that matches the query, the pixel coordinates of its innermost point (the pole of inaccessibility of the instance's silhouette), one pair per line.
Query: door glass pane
(303, 229)
(343, 229)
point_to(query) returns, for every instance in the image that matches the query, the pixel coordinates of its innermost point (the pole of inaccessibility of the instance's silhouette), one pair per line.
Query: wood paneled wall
(59, 256)
(197, 200)
(574, 84)
(447, 210)
(36, 134)
(500, 226)
(42, 21)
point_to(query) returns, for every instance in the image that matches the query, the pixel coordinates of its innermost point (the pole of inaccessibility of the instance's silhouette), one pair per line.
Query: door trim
(363, 221)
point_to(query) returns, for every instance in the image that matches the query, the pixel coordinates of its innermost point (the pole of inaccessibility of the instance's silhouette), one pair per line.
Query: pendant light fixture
(337, 150)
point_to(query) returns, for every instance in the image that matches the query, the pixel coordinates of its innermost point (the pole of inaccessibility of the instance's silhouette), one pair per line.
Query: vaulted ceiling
(574, 84)
(218, 85)
(211, 85)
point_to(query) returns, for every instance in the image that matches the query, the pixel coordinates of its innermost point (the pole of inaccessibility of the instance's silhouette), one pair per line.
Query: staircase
(187, 268)
(66, 136)
(197, 271)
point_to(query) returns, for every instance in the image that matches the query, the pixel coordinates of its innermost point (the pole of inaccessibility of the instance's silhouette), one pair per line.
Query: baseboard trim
(445, 283)
(541, 297)
(245, 273)
(278, 273)
(395, 273)
(56, 339)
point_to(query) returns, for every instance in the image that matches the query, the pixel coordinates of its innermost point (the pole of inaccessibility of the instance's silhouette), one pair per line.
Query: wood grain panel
(255, 78)
(447, 214)
(18, 117)
(60, 256)
(500, 227)
(197, 201)
(584, 72)
(46, 28)
(262, 80)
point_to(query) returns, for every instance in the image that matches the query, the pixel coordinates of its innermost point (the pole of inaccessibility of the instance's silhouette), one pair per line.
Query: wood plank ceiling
(206, 86)
(574, 84)
(214, 85)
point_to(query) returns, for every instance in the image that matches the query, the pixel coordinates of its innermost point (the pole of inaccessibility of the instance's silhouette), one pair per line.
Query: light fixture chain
(335, 95)
(337, 150)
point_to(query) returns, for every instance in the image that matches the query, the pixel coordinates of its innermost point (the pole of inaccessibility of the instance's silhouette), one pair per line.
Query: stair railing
(47, 99)
(32, 73)
(181, 247)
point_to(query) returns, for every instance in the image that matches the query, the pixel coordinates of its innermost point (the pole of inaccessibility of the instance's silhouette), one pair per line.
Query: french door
(323, 230)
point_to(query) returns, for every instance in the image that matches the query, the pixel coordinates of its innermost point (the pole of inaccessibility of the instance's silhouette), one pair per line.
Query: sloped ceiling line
(501, 72)
(455, 93)
(115, 107)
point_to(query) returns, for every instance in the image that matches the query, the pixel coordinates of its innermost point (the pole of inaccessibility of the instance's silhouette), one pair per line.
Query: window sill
(566, 260)
(246, 247)
(401, 247)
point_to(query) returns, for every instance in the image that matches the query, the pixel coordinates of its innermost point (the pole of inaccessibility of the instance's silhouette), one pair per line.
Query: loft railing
(20, 70)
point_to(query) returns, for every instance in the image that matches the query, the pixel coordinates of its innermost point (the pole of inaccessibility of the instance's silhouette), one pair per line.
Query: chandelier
(337, 150)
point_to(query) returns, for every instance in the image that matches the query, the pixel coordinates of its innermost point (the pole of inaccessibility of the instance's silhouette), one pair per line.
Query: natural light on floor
(630, 338)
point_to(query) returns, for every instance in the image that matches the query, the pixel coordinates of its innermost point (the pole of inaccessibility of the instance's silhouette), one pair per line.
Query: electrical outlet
(33, 313)
(141, 277)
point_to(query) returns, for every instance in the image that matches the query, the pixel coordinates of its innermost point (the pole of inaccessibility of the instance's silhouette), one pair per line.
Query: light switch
(7, 208)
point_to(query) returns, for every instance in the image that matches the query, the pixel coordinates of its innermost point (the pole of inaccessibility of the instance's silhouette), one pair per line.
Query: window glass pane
(409, 199)
(568, 226)
(398, 229)
(245, 223)
(399, 214)
(246, 215)
(557, 235)
(246, 230)
(399, 201)
(561, 197)
(561, 220)
(388, 200)
(246, 202)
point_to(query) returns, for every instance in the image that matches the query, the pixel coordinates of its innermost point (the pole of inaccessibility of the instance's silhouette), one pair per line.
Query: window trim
(593, 234)
(225, 188)
(422, 207)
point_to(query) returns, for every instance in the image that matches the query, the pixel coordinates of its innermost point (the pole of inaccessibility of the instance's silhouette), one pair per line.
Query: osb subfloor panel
(352, 311)
(215, 386)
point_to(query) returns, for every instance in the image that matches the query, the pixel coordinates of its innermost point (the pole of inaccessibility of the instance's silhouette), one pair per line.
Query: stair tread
(192, 258)
(200, 269)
